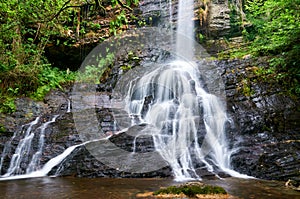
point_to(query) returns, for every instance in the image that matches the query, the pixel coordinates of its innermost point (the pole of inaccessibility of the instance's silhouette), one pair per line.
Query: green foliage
(277, 23)
(121, 20)
(50, 78)
(114, 3)
(34, 83)
(93, 73)
(191, 190)
(246, 86)
(132, 59)
(275, 32)
(118, 22)
(94, 26)
(126, 67)
(201, 38)
(8, 105)
(236, 21)
(2, 128)
(128, 3)
(131, 56)
(27, 27)
(132, 2)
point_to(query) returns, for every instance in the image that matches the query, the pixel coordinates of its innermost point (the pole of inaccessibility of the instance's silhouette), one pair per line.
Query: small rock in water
(188, 190)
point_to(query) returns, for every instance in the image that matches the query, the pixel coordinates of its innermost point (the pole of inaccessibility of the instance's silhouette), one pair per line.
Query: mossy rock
(192, 190)
(2, 129)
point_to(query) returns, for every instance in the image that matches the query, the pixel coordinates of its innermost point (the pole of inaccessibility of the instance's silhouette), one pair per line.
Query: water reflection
(107, 188)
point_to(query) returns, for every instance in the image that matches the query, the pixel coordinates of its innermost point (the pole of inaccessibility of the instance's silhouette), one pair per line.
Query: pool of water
(108, 188)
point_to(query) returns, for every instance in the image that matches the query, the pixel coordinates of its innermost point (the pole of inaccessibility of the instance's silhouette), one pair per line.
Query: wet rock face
(26, 110)
(267, 123)
(82, 164)
(219, 19)
(212, 18)
(265, 129)
(57, 101)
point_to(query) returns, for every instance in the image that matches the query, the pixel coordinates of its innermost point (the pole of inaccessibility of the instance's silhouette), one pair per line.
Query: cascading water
(171, 99)
(47, 167)
(24, 149)
(22, 153)
(185, 29)
(35, 161)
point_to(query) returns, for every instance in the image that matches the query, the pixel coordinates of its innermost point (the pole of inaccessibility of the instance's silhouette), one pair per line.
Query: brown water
(128, 188)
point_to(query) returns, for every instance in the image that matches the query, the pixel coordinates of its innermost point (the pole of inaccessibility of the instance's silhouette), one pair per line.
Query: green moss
(2, 129)
(191, 190)
(246, 86)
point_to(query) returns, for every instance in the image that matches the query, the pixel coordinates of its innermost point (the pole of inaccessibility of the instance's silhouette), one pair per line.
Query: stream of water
(104, 188)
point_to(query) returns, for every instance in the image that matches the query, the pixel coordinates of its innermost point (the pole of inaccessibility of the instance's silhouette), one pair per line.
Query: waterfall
(185, 29)
(23, 151)
(35, 161)
(6, 150)
(47, 167)
(172, 101)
